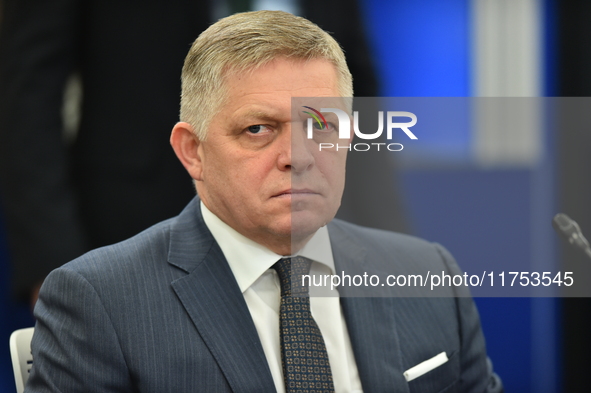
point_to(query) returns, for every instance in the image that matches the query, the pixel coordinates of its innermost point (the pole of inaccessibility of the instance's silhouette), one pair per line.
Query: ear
(187, 148)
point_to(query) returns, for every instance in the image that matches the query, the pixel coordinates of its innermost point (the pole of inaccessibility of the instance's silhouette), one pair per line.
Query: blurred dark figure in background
(65, 195)
(61, 197)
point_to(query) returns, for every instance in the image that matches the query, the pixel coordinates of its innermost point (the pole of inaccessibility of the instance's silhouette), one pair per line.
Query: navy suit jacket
(162, 312)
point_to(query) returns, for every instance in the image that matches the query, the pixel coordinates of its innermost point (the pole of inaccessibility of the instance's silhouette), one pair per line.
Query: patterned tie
(304, 358)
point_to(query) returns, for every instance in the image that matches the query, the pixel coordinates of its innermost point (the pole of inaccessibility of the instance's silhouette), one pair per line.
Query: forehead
(280, 80)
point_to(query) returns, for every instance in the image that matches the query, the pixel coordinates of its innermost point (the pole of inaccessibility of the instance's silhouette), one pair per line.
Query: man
(195, 303)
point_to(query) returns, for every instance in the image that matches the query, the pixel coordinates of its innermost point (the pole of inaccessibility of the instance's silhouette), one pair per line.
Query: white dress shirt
(251, 264)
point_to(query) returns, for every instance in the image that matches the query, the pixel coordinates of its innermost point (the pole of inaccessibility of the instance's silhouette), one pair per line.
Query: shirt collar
(249, 260)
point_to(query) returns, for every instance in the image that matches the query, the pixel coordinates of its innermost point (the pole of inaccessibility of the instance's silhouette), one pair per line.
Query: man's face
(258, 172)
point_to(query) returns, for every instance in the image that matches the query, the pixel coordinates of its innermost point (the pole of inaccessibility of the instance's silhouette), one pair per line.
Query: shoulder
(384, 253)
(371, 238)
(115, 280)
(183, 235)
(103, 277)
(153, 240)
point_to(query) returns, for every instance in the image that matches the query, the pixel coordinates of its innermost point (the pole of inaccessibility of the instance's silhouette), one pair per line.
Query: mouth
(289, 193)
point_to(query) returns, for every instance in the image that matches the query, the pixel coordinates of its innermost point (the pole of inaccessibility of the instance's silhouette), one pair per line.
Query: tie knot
(290, 271)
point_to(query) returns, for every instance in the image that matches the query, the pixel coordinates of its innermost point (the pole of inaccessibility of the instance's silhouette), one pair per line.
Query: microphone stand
(571, 232)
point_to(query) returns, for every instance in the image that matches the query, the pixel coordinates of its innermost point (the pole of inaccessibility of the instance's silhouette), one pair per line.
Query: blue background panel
(427, 42)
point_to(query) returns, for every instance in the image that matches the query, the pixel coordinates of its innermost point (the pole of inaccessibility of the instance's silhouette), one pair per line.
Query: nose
(296, 150)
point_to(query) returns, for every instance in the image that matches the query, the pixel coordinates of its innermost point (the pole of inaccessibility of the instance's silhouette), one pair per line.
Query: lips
(296, 192)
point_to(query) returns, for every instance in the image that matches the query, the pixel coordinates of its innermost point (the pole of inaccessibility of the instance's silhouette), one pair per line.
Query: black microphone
(570, 230)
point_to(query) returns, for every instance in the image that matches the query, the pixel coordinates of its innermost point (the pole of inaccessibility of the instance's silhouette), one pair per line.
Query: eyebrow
(260, 115)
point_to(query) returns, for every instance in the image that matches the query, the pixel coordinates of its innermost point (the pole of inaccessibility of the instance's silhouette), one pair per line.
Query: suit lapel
(370, 321)
(215, 304)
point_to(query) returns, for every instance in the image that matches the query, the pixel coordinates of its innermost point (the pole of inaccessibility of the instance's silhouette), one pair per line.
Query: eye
(322, 127)
(257, 129)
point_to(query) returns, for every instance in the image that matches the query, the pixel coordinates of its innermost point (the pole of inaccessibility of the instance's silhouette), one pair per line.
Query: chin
(304, 224)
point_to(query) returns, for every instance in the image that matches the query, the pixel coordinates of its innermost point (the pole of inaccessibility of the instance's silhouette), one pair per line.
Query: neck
(287, 243)
(285, 247)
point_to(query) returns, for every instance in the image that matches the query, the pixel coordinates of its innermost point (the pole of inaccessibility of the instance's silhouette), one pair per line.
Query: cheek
(239, 174)
(332, 167)
(219, 164)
